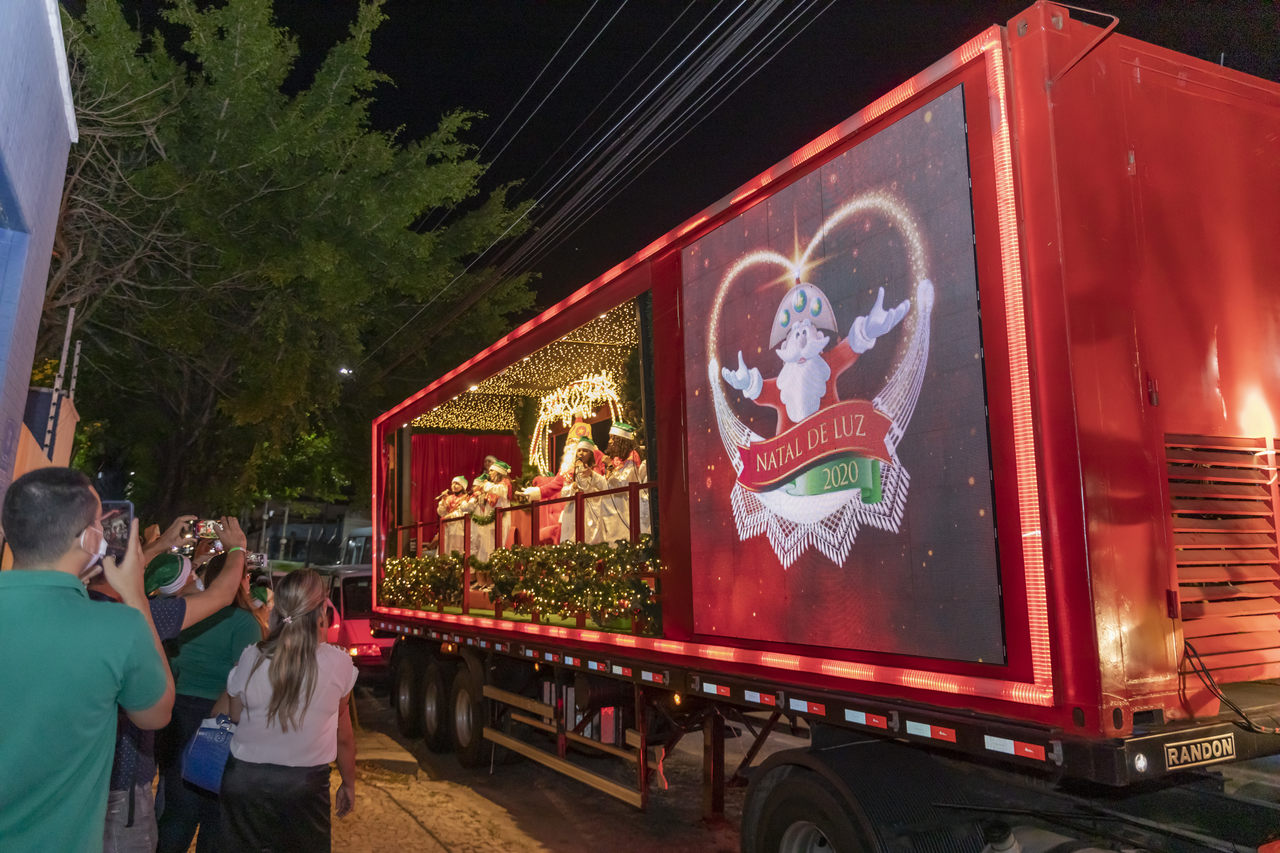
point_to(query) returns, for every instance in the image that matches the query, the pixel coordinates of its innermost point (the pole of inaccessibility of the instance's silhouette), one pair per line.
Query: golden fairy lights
(578, 399)
(471, 411)
(602, 346)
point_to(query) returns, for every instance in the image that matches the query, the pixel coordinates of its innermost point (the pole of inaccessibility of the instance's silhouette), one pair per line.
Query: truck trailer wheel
(800, 814)
(435, 713)
(406, 692)
(468, 718)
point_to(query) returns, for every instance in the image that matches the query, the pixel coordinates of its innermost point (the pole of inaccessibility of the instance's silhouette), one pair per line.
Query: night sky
(482, 54)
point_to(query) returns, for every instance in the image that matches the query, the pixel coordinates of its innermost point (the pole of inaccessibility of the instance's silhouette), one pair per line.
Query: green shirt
(67, 663)
(204, 654)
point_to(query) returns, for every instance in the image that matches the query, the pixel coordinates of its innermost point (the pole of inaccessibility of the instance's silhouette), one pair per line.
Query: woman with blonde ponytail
(289, 695)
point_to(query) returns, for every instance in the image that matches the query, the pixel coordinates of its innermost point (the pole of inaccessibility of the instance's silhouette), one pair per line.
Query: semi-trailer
(950, 439)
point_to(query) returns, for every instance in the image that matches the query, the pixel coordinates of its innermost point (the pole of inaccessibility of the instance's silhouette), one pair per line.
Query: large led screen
(840, 483)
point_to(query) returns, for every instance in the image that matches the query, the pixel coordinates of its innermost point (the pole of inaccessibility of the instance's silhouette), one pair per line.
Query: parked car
(351, 592)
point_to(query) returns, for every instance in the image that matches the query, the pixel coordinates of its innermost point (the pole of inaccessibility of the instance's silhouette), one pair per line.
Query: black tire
(406, 693)
(468, 719)
(800, 813)
(435, 710)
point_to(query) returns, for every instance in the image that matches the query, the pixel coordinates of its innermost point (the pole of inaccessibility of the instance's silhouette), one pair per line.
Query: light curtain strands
(603, 345)
(579, 399)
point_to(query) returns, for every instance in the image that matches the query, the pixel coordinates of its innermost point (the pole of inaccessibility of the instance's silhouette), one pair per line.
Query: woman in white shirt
(289, 696)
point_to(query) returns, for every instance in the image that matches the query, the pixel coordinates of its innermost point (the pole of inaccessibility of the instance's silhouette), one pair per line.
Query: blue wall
(37, 127)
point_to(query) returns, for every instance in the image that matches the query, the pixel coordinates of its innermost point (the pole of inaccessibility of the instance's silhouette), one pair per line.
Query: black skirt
(271, 808)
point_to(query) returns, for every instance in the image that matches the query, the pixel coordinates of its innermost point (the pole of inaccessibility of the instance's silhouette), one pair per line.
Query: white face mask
(92, 566)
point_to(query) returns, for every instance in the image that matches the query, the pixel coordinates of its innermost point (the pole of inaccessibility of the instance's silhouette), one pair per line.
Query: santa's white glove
(748, 381)
(533, 493)
(875, 323)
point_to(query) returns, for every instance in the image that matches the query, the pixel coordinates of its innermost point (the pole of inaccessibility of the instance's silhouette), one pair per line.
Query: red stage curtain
(437, 459)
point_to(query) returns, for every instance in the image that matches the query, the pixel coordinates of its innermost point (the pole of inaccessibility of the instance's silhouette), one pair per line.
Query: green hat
(501, 466)
(623, 430)
(586, 441)
(167, 574)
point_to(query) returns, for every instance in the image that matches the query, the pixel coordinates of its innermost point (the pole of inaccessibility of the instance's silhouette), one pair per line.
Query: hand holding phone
(230, 534)
(126, 574)
(117, 520)
(207, 528)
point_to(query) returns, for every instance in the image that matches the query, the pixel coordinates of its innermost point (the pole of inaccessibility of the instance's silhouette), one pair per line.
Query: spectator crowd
(111, 665)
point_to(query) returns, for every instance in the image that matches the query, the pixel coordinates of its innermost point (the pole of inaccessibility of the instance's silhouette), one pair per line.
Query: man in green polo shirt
(68, 662)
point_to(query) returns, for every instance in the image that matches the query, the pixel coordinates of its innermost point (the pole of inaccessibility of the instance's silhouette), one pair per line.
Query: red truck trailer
(952, 435)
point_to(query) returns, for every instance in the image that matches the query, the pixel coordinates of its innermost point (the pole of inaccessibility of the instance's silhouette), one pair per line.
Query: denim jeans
(120, 836)
(185, 808)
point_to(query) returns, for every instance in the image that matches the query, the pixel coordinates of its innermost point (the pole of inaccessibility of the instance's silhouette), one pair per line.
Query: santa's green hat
(623, 430)
(167, 574)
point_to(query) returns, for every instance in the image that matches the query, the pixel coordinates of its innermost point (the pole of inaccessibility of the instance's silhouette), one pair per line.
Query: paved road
(412, 799)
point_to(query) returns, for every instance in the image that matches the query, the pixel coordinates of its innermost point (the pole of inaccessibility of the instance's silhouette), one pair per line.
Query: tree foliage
(231, 238)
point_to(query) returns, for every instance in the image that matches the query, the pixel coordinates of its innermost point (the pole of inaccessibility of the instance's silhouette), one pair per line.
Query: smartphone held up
(207, 528)
(117, 520)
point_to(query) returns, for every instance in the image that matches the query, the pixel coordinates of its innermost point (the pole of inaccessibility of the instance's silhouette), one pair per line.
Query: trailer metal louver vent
(1223, 501)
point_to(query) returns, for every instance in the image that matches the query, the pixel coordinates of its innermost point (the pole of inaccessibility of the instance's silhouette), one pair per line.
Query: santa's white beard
(801, 386)
(567, 458)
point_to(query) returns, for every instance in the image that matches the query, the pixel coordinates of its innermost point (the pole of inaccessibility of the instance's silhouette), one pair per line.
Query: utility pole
(284, 531)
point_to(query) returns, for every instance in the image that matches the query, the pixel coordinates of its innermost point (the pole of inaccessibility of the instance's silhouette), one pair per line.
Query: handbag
(205, 757)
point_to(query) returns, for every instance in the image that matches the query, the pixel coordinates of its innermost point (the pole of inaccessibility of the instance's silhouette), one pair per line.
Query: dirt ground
(409, 798)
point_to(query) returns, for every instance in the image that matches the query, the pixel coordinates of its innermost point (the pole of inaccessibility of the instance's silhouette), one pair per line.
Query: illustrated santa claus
(807, 381)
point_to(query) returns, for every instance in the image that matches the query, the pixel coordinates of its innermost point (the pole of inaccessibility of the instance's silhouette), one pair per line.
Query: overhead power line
(512, 111)
(552, 233)
(624, 149)
(653, 120)
(538, 77)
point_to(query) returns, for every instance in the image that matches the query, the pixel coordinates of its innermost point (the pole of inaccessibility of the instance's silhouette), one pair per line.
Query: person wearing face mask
(131, 818)
(201, 657)
(71, 662)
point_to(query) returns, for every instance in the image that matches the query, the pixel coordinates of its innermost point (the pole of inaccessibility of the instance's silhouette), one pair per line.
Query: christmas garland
(606, 582)
(419, 582)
